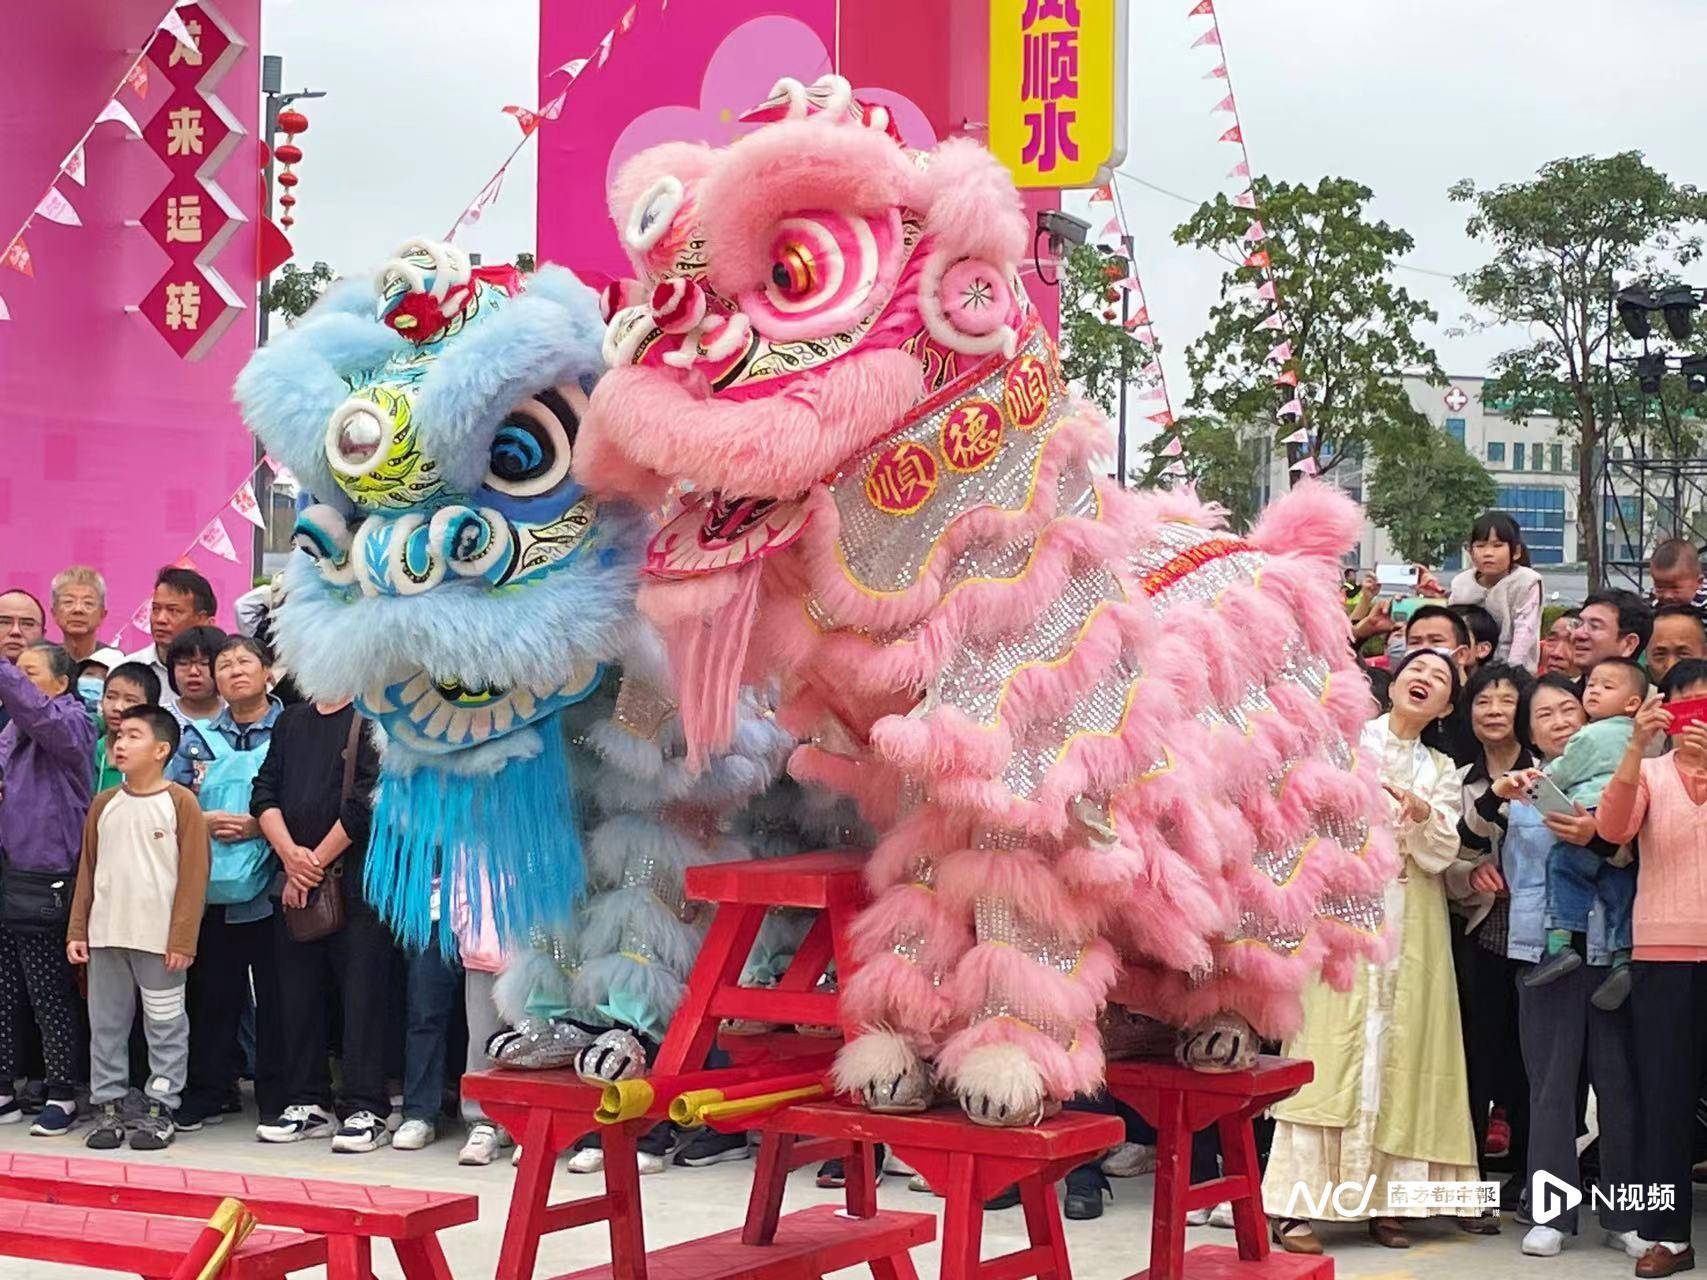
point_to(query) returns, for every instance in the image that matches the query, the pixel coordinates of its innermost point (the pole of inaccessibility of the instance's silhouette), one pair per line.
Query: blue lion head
(457, 582)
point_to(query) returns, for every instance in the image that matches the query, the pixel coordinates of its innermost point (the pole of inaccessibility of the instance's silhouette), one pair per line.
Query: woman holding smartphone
(1662, 802)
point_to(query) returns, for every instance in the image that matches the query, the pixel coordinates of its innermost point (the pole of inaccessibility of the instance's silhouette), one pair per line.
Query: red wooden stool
(548, 1110)
(967, 1163)
(1179, 1102)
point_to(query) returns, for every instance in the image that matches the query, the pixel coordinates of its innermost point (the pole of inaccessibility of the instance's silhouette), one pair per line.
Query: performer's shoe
(1221, 1042)
(1661, 1260)
(613, 1055)
(537, 1044)
(1295, 1235)
(1389, 1233)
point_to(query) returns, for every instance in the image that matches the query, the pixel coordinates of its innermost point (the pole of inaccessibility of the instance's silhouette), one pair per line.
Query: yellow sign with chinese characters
(1058, 90)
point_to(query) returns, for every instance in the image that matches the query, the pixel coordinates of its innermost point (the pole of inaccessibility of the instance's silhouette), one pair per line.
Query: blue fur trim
(518, 827)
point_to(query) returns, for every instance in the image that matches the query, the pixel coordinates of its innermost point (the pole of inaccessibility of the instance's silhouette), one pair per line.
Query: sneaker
(586, 1160)
(1627, 1243)
(412, 1135)
(918, 1182)
(108, 1133)
(1612, 993)
(1222, 1215)
(649, 1162)
(1086, 1187)
(1130, 1160)
(56, 1118)
(1006, 1198)
(11, 1112)
(1543, 1242)
(708, 1147)
(832, 1173)
(363, 1131)
(394, 1117)
(1552, 969)
(34, 1097)
(296, 1124)
(485, 1141)
(1197, 1218)
(155, 1130)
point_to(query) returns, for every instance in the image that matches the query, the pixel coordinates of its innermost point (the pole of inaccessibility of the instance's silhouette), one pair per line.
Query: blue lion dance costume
(457, 583)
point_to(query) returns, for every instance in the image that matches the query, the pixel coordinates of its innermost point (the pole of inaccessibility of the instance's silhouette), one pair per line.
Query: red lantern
(287, 221)
(287, 179)
(288, 153)
(292, 122)
(287, 200)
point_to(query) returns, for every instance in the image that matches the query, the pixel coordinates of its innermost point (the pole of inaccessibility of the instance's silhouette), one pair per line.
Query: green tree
(1223, 463)
(1097, 351)
(294, 290)
(1351, 328)
(1426, 494)
(1562, 243)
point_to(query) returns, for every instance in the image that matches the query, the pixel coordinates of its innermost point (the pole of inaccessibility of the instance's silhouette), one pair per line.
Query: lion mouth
(448, 713)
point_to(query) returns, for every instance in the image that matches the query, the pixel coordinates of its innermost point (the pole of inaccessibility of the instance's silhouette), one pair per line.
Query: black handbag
(324, 914)
(35, 901)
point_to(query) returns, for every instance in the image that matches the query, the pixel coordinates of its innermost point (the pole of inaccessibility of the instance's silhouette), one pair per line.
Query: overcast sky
(1406, 96)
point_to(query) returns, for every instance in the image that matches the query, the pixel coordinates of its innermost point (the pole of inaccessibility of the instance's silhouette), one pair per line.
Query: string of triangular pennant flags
(1280, 355)
(214, 537)
(529, 120)
(1152, 379)
(54, 206)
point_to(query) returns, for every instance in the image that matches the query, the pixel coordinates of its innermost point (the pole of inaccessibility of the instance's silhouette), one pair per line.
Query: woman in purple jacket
(44, 770)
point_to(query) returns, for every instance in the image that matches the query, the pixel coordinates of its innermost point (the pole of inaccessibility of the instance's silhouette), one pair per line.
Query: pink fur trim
(1065, 1071)
(685, 161)
(971, 207)
(1314, 520)
(1022, 876)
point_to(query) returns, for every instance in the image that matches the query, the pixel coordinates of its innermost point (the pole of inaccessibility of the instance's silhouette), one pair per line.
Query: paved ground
(686, 1203)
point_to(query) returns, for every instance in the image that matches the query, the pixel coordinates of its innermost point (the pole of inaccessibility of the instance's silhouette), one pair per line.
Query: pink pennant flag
(1211, 36)
(1245, 200)
(1216, 73)
(4, 313)
(17, 256)
(139, 619)
(1110, 228)
(1240, 170)
(1151, 370)
(627, 23)
(217, 540)
(174, 26)
(1293, 408)
(1235, 134)
(1267, 291)
(1226, 104)
(573, 68)
(1176, 469)
(1173, 448)
(1203, 9)
(73, 167)
(271, 463)
(1280, 353)
(528, 120)
(554, 108)
(1145, 334)
(1307, 467)
(1163, 419)
(1255, 231)
(1102, 193)
(1271, 322)
(1300, 436)
(137, 79)
(115, 110)
(1142, 317)
(56, 208)
(604, 49)
(244, 503)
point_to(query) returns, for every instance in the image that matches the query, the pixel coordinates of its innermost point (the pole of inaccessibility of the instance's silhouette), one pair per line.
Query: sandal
(1389, 1233)
(1295, 1235)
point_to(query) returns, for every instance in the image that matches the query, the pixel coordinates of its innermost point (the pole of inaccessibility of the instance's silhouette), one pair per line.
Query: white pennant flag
(56, 208)
(244, 503)
(604, 47)
(174, 26)
(115, 110)
(4, 313)
(217, 540)
(73, 166)
(554, 108)
(1273, 322)
(1300, 436)
(573, 68)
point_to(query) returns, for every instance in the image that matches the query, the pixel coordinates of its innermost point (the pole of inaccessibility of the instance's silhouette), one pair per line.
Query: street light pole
(1126, 246)
(272, 85)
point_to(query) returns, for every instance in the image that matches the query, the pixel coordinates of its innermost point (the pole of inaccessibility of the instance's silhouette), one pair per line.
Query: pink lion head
(795, 294)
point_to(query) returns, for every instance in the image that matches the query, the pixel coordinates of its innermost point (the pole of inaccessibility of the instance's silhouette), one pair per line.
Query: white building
(1533, 465)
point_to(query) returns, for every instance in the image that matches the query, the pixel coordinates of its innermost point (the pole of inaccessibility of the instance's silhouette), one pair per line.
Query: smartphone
(1396, 577)
(1692, 711)
(1545, 795)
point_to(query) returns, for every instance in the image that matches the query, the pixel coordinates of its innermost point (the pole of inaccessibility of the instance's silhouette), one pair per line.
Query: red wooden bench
(140, 1244)
(548, 1110)
(350, 1216)
(1178, 1102)
(964, 1162)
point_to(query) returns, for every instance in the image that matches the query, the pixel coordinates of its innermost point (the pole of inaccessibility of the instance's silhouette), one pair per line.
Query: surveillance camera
(1062, 228)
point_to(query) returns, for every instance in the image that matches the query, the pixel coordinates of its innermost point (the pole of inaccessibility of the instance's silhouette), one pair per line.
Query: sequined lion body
(1104, 739)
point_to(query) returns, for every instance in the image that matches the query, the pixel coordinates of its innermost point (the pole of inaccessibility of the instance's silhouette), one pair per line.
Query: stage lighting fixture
(1633, 307)
(1677, 302)
(1650, 369)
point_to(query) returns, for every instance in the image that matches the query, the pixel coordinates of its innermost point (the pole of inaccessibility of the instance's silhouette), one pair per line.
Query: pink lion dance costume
(1102, 737)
